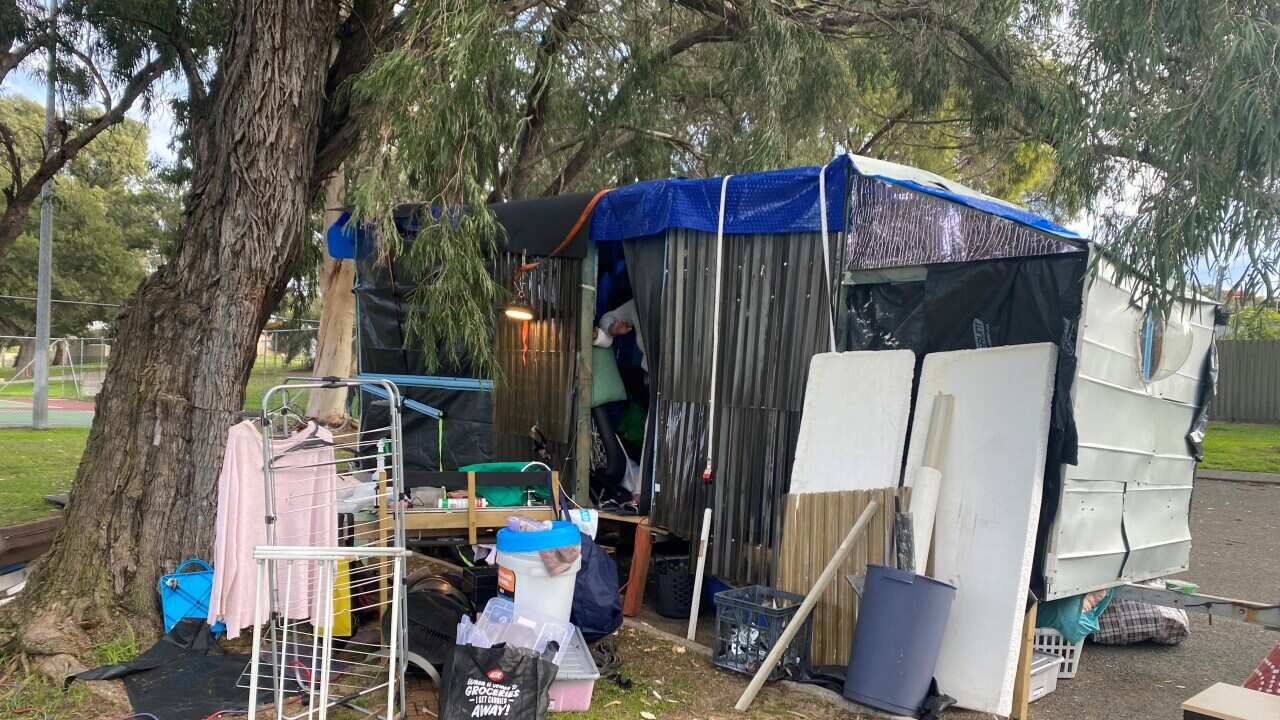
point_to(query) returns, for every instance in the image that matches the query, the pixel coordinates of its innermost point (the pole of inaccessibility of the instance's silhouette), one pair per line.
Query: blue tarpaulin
(777, 201)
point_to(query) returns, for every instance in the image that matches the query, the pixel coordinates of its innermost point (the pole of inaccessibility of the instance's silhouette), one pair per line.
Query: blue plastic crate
(750, 621)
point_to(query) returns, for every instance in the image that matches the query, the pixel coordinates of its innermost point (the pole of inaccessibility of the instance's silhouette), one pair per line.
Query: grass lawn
(1241, 446)
(35, 463)
(38, 463)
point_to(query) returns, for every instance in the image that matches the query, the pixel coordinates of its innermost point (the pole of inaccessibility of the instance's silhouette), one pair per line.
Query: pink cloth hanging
(306, 515)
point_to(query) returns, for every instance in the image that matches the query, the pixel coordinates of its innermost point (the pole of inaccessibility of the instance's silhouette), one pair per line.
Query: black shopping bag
(497, 682)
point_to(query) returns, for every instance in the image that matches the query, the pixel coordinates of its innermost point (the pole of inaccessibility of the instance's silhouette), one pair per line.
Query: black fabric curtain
(646, 260)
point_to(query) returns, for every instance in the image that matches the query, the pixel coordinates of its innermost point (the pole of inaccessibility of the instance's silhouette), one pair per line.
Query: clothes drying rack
(311, 583)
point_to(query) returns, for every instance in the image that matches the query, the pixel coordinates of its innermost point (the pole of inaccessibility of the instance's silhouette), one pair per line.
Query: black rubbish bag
(597, 604)
(496, 682)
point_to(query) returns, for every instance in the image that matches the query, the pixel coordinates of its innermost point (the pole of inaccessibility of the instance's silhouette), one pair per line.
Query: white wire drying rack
(317, 572)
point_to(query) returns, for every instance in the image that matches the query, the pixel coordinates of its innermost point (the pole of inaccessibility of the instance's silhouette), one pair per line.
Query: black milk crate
(480, 584)
(675, 587)
(749, 621)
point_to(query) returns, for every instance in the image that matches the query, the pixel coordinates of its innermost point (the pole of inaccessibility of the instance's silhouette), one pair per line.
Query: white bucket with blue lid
(523, 576)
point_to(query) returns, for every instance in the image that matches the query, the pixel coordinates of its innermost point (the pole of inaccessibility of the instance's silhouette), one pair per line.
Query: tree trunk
(337, 318)
(22, 363)
(60, 354)
(146, 491)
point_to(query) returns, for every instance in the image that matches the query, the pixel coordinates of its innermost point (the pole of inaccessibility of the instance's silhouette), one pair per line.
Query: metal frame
(1268, 616)
(381, 540)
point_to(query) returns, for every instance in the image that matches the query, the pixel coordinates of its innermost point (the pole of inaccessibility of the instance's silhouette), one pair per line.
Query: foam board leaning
(854, 425)
(988, 508)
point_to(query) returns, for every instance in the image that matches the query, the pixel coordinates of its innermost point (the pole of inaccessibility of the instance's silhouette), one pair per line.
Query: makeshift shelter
(739, 281)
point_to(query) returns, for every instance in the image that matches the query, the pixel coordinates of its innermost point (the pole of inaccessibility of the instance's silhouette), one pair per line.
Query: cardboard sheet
(988, 508)
(854, 426)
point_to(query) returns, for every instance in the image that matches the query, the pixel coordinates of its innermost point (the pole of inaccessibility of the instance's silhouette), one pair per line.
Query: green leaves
(432, 137)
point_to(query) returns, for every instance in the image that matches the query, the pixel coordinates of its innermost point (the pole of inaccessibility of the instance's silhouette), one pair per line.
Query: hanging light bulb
(518, 310)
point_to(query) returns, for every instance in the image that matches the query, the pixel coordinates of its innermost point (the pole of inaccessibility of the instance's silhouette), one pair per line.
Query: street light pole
(44, 271)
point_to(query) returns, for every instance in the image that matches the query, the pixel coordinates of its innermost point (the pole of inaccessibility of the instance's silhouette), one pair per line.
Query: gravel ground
(1235, 530)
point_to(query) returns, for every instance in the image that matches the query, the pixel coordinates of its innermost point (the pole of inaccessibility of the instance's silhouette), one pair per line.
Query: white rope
(715, 328)
(826, 256)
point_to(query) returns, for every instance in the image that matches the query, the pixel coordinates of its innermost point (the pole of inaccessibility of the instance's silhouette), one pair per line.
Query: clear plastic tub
(501, 623)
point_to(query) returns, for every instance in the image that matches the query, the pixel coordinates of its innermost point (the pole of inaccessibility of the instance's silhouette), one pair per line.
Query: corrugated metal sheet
(892, 226)
(1248, 381)
(537, 359)
(772, 321)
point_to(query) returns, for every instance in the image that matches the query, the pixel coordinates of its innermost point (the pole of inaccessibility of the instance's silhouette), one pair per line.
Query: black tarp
(993, 303)
(184, 676)
(384, 297)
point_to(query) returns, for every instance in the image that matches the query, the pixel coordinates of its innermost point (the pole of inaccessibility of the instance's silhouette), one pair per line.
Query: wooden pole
(697, 576)
(793, 627)
(582, 413)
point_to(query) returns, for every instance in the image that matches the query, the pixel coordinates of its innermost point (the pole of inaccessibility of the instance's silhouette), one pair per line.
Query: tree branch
(93, 70)
(884, 128)
(368, 28)
(15, 163)
(642, 72)
(10, 59)
(26, 193)
(514, 180)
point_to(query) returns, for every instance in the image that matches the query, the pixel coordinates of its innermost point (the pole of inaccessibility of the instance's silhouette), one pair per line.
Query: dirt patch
(669, 681)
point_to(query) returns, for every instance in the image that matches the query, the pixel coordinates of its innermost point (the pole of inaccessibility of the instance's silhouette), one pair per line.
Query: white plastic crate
(1051, 641)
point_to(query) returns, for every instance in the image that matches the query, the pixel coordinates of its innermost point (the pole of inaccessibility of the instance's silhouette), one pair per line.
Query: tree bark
(146, 490)
(26, 353)
(337, 319)
(59, 356)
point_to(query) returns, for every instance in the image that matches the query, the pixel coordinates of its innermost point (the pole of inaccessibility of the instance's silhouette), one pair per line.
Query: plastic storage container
(576, 681)
(901, 619)
(523, 576)
(1048, 640)
(1044, 675)
(749, 621)
(502, 623)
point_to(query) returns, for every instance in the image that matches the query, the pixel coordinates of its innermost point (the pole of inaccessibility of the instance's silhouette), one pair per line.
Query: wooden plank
(638, 575)
(27, 541)
(458, 519)
(387, 526)
(1232, 702)
(1022, 684)
(471, 507)
(582, 413)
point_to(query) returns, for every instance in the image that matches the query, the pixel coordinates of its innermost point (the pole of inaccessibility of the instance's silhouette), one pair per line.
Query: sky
(159, 121)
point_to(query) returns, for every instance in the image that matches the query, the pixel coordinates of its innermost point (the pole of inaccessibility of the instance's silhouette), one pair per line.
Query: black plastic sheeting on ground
(990, 303)
(184, 676)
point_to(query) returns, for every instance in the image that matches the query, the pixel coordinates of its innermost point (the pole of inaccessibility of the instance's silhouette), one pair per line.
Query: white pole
(393, 664)
(697, 576)
(796, 622)
(257, 639)
(44, 264)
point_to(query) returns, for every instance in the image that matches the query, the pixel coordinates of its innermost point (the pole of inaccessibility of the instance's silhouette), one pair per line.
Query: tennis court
(16, 412)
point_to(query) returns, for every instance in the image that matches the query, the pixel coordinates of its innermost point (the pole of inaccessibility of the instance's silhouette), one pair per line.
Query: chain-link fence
(78, 366)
